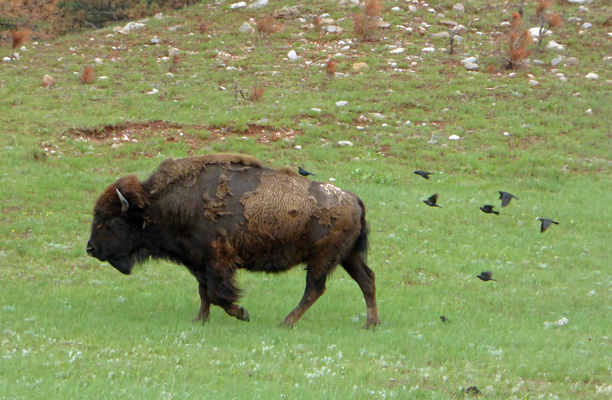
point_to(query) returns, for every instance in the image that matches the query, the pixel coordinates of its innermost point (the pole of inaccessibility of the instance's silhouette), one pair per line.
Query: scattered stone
(572, 61)
(538, 62)
(454, 137)
(237, 6)
(103, 78)
(589, 111)
(535, 33)
(298, 147)
(316, 110)
(441, 35)
(341, 103)
(469, 60)
(428, 49)
(583, 9)
(555, 46)
(332, 29)
(258, 4)
(607, 60)
(459, 9)
(155, 41)
(587, 25)
(384, 25)
(450, 24)
(98, 60)
(173, 52)
(412, 8)
(246, 28)
(378, 115)
(574, 19)
(396, 9)
(471, 66)
(345, 143)
(128, 27)
(592, 75)
(580, 1)
(292, 55)
(433, 141)
(505, 23)
(533, 82)
(48, 81)
(152, 91)
(360, 66)
(556, 61)
(397, 51)
(6, 59)
(288, 13)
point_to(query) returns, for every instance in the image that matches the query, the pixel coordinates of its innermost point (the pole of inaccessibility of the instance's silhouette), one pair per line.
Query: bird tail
(496, 212)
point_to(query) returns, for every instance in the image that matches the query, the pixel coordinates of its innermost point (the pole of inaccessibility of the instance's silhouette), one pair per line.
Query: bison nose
(91, 250)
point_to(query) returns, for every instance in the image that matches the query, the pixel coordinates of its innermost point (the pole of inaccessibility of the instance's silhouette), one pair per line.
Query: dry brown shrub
(373, 8)
(554, 20)
(88, 75)
(330, 68)
(317, 24)
(366, 22)
(515, 23)
(268, 25)
(542, 6)
(175, 61)
(257, 94)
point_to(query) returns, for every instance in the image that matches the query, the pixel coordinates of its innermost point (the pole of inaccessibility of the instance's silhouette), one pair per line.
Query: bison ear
(131, 193)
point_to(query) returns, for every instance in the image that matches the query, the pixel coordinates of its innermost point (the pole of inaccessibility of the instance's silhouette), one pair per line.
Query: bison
(217, 213)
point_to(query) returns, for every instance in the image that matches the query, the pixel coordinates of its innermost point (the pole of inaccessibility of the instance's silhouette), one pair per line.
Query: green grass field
(72, 327)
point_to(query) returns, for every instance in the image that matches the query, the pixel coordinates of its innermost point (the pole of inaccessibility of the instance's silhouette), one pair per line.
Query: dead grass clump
(330, 68)
(175, 61)
(366, 22)
(547, 20)
(257, 93)
(268, 25)
(518, 41)
(88, 75)
(19, 37)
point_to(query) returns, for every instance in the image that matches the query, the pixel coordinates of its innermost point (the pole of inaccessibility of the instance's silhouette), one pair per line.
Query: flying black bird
(303, 172)
(505, 197)
(444, 319)
(488, 209)
(473, 390)
(432, 200)
(424, 174)
(486, 276)
(546, 223)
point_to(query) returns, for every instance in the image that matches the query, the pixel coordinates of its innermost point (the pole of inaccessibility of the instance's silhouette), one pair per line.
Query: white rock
(316, 110)
(6, 59)
(298, 147)
(535, 33)
(589, 111)
(332, 29)
(246, 28)
(332, 179)
(572, 61)
(236, 6)
(168, 74)
(397, 51)
(592, 75)
(128, 27)
(341, 103)
(556, 61)
(583, 9)
(453, 137)
(428, 49)
(458, 8)
(103, 78)
(98, 60)
(152, 91)
(412, 8)
(533, 82)
(345, 143)
(471, 66)
(158, 16)
(441, 35)
(396, 9)
(580, 1)
(555, 46)
(469, 60)
(607, 60)
(587, 25)
(505, 23)
(258, 4)
(506, 133)
(292, 55)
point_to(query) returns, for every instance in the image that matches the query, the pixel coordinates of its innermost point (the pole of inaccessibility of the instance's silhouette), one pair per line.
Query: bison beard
(218, 213)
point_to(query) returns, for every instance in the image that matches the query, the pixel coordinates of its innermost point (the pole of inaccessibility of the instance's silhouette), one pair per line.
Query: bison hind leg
(315, 287)
(357, 268)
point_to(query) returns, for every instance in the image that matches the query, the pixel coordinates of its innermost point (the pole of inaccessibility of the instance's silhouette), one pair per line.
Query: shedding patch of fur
(186, 170)
(215, 207)
(336, 206)
(281, 207)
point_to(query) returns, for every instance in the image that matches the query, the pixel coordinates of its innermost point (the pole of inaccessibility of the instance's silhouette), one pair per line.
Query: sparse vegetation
(367, 21)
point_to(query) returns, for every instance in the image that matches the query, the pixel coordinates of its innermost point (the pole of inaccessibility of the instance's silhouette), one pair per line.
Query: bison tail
(362, 244)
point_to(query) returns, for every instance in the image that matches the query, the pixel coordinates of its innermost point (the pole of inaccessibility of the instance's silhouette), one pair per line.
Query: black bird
(303, 172)
(505, 197)
(444, 319)
(424, 174)
(486, 276)
(473, 390)
(546, 223)
(432, 200)
(488, 209)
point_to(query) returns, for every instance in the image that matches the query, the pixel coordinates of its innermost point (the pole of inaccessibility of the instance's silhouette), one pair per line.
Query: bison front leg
(221, 291)
(204, 313)
(315, 287)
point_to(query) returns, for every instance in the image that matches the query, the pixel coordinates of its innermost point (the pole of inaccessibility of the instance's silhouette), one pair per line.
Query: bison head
(116, 232)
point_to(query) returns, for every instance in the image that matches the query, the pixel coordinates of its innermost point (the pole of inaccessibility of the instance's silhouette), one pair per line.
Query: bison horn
(125, 205)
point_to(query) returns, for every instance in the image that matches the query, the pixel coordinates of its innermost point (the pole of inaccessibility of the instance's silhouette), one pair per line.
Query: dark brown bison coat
(218, 213)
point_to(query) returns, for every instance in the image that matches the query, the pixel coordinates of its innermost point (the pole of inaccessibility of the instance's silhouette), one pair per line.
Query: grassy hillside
(73, 327)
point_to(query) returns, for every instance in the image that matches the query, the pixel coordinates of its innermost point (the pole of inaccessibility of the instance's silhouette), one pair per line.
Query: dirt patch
(192, 135)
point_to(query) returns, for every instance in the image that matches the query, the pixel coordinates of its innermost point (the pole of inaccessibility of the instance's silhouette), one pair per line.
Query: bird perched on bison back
(218, 213)
(303, 172)
(432, 201)
(546, 223)
(488, 209)
(424, 174)
(505, 197)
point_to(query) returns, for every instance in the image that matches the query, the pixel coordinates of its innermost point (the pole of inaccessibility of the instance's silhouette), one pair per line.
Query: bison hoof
(371, 325)
(202, 319)
(245, 316)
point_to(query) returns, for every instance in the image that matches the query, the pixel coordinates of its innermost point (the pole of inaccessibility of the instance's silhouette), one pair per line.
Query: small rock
(458, 8)
(469, 60)
(533, 82)
(580, 1)
(592, 75)
(384, 25)
(433, 141)
(441, 35)
(505, 23)
(378, 115)
(237, 6)
(607, 60)
(246, 28)
(587, 25)
(258, 4)
(538, 62)
(298, 147)
(316, 110)
(572, 61)
(341, 103)
(428, 49)
(471, 66)
(396, 9)
(6, 59)
(158, 16)
(589, 111)
(535, 33)
(345, 143)
(98, 60)
(583, 9)
(454, 137)
(448, 23)
(287, 13)
(168, 74)
(554, 46)
(397, 51)
(152, 91)
(173, 52)
(155, 41)
(103, 78)
(292, 55)
(506, 133)
(412, 8)
(47, 81)
(359, 66)
(556, 61)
